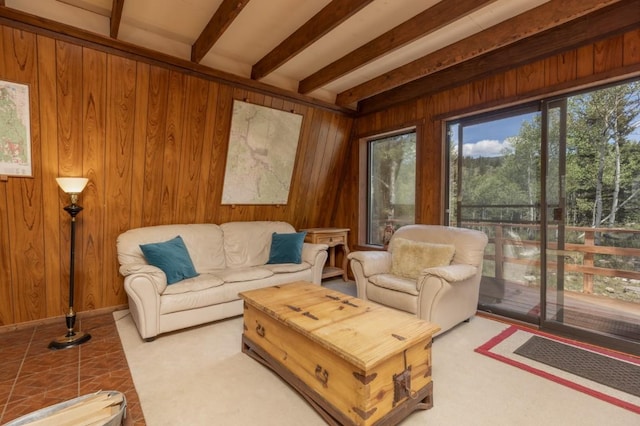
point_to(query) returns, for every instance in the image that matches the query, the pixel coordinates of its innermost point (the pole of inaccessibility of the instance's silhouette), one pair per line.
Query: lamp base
(68, 341)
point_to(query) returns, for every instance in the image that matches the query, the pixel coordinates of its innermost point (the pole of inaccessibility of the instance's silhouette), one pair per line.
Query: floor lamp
(72, 186)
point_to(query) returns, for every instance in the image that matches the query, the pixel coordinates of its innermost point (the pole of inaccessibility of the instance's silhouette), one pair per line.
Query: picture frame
(263, 144)
(15, 130)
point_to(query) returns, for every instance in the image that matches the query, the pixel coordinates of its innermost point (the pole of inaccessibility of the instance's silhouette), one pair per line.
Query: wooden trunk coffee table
(355, 362)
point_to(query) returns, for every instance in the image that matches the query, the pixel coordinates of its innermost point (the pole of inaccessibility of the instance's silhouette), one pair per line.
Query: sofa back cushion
(249, 243)
(409, 257)
(469, 243)
(203, 241)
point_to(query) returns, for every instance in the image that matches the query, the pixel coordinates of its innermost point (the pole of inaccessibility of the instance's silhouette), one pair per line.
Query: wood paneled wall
(153, 142)
(593, 64)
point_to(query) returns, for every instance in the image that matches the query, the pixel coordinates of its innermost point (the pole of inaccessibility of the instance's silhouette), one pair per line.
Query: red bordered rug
(502, 347)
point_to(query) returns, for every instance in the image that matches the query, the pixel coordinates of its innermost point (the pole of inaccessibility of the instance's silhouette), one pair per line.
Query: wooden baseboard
(60, 318)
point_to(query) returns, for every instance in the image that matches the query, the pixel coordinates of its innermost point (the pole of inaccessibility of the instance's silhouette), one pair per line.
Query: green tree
(600, 124)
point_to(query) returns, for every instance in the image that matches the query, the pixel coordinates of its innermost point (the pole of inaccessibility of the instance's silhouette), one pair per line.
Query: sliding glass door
(556, 187)
(592, 193)
(495, 187)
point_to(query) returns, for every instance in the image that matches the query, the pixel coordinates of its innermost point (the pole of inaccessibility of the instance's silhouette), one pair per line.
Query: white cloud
(486, 148)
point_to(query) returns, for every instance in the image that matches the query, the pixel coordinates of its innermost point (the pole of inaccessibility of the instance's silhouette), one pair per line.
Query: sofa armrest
(144, 289)
(154, 275)
(310, 252)
(372, 262)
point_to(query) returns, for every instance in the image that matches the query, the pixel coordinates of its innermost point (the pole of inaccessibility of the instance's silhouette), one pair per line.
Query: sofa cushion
(409, 258)
(284, 268)
(286, 248)
(205, 244)
(172, 257)
(233, 275)
(248, 243)
(202, 282)
(396, 283)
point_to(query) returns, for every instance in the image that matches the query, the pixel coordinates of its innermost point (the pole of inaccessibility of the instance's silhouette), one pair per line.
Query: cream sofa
(445, 292)
(229, 258)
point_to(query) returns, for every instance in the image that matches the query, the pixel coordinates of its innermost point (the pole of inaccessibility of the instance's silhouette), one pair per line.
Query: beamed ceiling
(356, 54)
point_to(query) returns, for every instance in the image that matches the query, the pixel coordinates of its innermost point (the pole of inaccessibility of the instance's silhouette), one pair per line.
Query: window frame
(363, 167)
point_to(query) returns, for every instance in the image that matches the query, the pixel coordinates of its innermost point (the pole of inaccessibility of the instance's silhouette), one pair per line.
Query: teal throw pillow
(172, 257)
(286, 248)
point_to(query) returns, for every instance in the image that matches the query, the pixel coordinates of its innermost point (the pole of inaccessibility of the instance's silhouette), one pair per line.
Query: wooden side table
(333, 237)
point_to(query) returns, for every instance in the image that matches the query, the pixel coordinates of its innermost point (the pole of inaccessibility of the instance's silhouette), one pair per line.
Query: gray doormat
(602, 369)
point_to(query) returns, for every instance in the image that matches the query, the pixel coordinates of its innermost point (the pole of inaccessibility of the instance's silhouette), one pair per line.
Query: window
(391, 183)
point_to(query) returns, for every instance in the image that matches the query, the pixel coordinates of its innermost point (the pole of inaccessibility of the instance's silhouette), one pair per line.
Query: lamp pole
(72, 338)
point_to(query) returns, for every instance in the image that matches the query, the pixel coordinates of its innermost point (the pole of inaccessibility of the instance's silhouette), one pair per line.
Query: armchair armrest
(373, 262)
(310, 252)
(449, 273)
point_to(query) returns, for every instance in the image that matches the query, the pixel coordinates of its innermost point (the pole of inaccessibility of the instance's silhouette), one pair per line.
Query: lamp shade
(72, 185)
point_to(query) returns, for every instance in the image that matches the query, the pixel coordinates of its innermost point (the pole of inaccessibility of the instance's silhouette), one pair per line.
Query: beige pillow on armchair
(409, 258)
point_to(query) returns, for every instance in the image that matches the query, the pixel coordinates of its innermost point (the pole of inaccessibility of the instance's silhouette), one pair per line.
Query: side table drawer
(331, 239)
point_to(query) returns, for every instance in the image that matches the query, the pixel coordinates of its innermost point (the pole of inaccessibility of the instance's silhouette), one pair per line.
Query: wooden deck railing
(508, 244)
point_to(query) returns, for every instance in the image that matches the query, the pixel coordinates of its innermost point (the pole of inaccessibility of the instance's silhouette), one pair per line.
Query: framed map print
(262, 151)
(15, 133)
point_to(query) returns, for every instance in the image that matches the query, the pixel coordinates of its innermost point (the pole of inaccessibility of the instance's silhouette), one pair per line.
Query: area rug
(506, 345)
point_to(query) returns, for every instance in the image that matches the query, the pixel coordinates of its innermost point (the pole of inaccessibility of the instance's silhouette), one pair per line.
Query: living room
(151, 134)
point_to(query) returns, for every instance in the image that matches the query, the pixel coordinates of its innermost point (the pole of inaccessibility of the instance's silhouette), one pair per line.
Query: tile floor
(33, 376)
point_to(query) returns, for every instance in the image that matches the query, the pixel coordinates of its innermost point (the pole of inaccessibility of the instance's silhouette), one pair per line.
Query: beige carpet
(200, 376)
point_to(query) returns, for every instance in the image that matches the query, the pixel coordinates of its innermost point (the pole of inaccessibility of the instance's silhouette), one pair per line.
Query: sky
(490, 139)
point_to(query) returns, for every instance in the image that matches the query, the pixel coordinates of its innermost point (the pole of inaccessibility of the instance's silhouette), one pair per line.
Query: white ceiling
(172, 27)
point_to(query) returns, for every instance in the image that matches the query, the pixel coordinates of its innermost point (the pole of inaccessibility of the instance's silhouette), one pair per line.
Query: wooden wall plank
(585, 65)
(139, 147)
(631, 49)
(154, 145)
(24, 195)
(311, 130)
(608, 54)
(204, 189)
(219, 156)
(191, 148)
(172, 144)
(530, 77)
(119, 161)
(335, 170)
(91, 264)
(325, 173)
(6, 289)
(47, 88)
(561, 68)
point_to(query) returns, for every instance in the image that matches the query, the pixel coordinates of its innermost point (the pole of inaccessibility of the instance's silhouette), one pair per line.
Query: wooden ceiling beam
(599, 25)
(527, 24)
(218, 24)
(116, 17)
(427, 22)
(320, 24)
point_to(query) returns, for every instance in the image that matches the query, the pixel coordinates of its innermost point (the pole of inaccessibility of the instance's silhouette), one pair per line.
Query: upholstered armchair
(431, 271)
